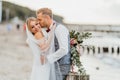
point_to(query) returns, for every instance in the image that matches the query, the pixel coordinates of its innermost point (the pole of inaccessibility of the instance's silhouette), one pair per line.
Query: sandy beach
(15, 55)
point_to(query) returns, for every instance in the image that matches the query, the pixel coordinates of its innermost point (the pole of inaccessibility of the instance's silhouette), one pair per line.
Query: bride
(40, 43)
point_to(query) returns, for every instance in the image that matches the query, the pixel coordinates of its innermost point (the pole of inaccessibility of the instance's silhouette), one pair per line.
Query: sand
(15, 55)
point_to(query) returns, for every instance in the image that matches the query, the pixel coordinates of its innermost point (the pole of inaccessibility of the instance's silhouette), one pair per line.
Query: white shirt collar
(52, 24)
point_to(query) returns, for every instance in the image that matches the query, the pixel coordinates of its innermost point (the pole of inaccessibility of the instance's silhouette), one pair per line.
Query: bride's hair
(28, 21)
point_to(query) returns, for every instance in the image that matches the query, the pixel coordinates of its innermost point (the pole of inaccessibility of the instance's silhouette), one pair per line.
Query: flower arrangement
(76, 40)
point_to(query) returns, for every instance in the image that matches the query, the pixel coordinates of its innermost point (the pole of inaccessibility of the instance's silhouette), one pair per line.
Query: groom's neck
(50, 23)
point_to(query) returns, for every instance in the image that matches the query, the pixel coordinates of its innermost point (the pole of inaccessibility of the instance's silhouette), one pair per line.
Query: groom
(61, 41)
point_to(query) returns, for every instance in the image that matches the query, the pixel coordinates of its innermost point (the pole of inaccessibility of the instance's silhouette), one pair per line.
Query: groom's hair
(45, 11)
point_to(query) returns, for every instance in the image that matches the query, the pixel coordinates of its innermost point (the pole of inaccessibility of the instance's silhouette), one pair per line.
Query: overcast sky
(79, 11)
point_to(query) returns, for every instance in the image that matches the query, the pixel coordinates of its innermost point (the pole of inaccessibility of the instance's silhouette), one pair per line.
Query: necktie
(48, 30)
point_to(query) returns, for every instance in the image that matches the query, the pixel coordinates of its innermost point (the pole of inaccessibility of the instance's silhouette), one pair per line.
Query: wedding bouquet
(76, 40)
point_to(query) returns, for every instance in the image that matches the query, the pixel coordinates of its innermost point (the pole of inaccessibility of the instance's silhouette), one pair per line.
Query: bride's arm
(46, 45)
(39, 35)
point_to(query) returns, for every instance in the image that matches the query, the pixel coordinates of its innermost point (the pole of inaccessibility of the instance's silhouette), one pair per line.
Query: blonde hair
(45, 11)
(28, 21)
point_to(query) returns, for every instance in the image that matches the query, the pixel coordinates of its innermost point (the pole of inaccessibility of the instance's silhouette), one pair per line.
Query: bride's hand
(43, 59)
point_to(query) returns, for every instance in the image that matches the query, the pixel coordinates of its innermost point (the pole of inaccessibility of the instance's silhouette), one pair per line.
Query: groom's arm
(61, 33)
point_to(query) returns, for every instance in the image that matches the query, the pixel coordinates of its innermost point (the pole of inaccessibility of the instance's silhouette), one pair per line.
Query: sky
(79, 11)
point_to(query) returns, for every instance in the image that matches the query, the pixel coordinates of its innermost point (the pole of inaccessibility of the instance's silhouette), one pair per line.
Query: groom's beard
(43, 26)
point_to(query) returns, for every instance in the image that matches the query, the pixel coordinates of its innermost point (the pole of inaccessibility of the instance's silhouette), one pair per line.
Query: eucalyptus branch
(76, 41)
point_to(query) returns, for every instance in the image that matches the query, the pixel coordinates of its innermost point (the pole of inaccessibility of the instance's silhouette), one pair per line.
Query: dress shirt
(61, 33)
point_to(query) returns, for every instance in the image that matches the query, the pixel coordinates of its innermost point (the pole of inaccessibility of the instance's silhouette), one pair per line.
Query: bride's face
(35, 26)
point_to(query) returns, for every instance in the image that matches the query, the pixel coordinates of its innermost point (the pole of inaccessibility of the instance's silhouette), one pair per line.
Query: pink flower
(73, 41)
(79, 49)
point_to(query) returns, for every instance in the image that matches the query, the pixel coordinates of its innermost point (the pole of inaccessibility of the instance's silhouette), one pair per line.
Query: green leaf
(75, 57)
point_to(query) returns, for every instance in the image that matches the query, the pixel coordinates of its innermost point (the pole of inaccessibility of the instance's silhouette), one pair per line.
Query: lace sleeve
(44, 43)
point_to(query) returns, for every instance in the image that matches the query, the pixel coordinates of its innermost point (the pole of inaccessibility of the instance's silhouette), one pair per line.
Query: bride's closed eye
(32, 27)
(37, 24)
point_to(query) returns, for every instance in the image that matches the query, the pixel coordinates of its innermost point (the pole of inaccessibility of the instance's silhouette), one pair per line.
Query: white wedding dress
(39, 71)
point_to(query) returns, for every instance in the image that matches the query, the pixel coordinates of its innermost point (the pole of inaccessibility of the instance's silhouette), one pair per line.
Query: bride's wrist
(42, 53)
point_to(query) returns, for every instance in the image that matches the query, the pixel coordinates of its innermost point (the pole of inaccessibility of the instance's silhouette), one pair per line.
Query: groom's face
(43, 20)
